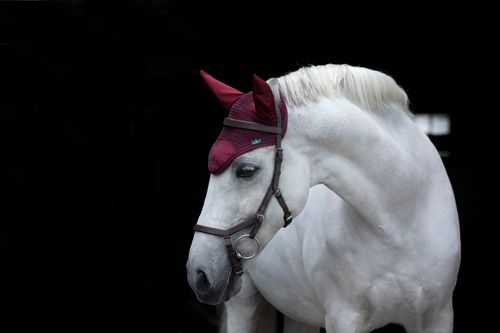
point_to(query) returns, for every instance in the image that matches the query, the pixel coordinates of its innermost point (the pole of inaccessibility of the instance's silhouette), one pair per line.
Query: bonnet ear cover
(263, 99)
(257, 106)
(224, 93)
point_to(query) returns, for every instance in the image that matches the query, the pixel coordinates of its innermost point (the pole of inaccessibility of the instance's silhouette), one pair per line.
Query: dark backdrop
(106, 128)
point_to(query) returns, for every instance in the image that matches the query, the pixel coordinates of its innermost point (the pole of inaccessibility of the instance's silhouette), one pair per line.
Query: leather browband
(251, 126)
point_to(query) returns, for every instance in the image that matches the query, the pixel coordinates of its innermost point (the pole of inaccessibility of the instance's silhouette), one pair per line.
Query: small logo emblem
(256, 141)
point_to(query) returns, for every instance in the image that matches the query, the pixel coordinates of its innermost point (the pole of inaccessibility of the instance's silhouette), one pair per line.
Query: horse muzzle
(210, 287)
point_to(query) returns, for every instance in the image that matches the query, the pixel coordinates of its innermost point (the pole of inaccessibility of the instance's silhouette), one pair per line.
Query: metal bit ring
(240, 256)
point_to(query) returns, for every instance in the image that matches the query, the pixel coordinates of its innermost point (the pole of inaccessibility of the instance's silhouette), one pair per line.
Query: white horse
(378, 242)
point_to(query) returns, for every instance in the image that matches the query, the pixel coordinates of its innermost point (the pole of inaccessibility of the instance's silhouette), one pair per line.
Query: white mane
(369, 89)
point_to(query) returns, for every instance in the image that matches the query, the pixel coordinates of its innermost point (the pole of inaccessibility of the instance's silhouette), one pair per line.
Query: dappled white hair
(369, 89)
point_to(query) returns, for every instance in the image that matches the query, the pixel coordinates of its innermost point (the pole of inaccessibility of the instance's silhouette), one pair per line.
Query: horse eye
(246, 171)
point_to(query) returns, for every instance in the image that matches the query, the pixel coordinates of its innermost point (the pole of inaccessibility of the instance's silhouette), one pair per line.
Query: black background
(106, 128)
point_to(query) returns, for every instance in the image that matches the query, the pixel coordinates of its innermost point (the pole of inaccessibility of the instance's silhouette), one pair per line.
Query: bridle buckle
(259, 217)
(279, 151)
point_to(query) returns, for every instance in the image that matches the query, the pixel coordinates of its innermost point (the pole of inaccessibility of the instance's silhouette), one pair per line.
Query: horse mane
(369, 89)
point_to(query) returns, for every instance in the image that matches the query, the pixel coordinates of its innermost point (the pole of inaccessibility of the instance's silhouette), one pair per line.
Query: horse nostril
(202, 283)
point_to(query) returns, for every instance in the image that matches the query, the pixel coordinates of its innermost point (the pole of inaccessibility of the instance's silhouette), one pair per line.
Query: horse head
(245, 202)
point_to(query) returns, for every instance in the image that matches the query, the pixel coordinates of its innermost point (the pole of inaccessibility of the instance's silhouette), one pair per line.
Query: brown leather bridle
(256, 221)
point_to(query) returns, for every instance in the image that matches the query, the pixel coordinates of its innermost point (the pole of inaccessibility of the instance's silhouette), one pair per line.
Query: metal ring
(240, 256)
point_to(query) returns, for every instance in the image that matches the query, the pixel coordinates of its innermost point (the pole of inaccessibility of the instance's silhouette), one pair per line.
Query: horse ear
(263, 99)
(224, 93)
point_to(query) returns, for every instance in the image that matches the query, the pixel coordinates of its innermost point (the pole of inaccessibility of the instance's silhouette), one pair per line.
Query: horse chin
(233, 289)
(222, 294)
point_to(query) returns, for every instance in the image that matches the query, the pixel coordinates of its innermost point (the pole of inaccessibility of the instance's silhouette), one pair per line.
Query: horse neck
(379, 163)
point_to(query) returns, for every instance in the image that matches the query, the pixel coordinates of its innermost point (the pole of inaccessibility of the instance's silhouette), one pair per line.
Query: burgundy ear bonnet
(257, 106)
